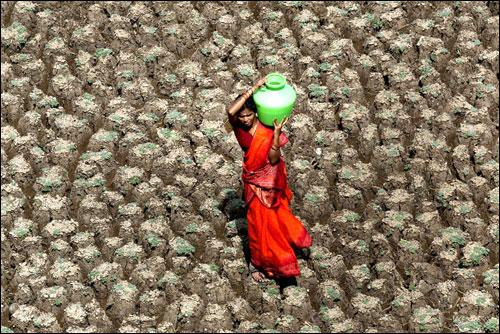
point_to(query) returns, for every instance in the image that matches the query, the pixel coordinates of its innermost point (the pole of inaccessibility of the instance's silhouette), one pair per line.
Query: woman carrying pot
(272, 228)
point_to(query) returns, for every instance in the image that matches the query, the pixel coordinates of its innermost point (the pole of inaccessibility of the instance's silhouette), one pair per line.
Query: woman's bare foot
(258, 276)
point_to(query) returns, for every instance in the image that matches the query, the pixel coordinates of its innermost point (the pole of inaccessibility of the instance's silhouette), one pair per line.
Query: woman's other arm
(274, 152)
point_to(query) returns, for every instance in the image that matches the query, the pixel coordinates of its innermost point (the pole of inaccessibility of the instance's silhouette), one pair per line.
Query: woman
(272, 229)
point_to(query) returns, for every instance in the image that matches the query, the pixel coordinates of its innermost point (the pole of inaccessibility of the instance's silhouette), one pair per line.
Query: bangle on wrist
(275, 148)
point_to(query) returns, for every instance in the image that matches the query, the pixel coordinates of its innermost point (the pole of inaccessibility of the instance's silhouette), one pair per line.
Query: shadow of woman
(236, 210)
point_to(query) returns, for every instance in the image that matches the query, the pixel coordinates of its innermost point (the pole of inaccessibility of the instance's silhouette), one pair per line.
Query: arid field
(121, 193)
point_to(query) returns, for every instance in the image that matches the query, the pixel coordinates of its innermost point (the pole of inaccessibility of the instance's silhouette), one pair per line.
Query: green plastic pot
(274, 100)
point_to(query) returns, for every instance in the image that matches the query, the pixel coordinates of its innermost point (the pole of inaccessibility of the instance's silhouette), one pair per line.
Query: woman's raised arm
(236, 105)
(274, 152)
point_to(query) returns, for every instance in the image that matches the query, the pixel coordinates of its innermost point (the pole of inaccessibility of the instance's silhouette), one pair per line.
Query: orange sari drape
(272, 228)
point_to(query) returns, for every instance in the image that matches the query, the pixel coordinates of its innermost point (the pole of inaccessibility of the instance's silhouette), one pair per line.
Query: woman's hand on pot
(260, 82)
(251, 90)
(279, 126)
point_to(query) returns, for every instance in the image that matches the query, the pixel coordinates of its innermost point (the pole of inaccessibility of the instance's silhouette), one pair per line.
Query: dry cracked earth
(121, 191)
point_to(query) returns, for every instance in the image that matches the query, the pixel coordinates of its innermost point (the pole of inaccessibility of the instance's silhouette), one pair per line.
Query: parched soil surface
(121, 194)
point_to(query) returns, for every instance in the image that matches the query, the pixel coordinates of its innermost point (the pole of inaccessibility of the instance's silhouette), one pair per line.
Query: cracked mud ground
(121, 192)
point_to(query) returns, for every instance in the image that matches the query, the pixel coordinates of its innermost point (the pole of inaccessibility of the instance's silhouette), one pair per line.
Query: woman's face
(246, 117)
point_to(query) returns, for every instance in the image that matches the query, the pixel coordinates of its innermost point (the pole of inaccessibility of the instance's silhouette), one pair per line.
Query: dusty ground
(121, 193)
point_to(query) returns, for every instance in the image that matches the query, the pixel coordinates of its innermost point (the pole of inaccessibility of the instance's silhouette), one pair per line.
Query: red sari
(272, 228)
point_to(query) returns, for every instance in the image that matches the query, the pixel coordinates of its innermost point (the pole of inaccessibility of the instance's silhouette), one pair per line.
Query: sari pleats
(271, 234)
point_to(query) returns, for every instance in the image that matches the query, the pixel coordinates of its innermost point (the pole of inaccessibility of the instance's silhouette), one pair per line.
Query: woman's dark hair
(249, 104)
